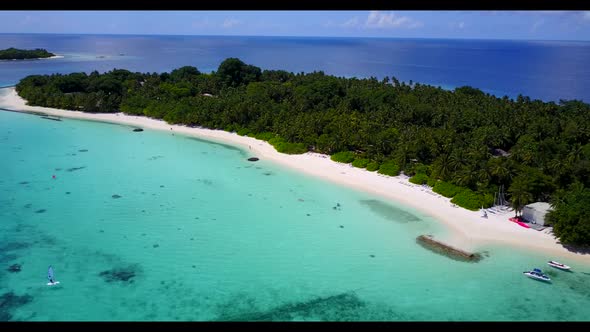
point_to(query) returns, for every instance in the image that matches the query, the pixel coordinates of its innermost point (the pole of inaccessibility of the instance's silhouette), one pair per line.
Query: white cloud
(457, 25)
(353, 22)
(382, 20)
(230, 23)
(27, 20)
(536, 25)
(201, 24)
(553, 12)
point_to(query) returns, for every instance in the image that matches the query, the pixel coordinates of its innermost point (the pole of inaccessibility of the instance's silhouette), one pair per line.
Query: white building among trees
(535, 213)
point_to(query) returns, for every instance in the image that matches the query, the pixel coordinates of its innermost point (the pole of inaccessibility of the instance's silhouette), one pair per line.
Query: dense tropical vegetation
(464, 143)
(16, 54)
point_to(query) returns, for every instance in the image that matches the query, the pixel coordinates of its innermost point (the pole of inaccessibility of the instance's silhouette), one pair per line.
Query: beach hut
(535, 212)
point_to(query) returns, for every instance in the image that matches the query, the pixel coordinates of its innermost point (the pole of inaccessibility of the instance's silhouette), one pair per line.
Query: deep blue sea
(546, 70)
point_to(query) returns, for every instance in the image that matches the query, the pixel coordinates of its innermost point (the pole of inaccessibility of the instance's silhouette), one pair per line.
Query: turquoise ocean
(150, 226)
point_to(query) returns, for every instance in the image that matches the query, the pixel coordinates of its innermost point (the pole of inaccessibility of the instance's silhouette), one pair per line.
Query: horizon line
(285, 36)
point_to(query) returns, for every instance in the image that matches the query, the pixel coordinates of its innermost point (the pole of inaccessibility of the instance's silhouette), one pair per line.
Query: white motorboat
(558, 265)
(537, 274)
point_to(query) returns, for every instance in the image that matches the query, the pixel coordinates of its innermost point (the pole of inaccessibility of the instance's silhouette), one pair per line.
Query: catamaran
(50, 277)
(558, 265)
(537, 274)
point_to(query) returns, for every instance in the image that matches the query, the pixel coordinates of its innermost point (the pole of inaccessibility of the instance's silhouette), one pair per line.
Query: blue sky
(544, 25)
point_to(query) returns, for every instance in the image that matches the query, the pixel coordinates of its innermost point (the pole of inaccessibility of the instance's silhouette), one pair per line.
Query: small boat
(558, 265)
(51, 282)
(537, 274)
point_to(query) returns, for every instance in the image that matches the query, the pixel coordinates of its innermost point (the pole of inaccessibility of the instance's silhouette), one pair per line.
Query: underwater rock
(329, 308)
(341, 226)
(156, 245)
(40, 211)
(428, 242)
(253, 159)
(67, 192)
(24, 182)
(119, 274)
(116, 196)
(9, 302)
(14, 268)
(372, 256)
(137, 129)
(27, 206)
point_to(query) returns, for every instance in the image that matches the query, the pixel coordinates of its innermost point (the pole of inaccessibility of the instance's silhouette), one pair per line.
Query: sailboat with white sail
(51, 278)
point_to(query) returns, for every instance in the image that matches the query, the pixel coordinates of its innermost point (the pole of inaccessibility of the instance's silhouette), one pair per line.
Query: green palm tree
(520, 194)
(442, 166)
(499, 169)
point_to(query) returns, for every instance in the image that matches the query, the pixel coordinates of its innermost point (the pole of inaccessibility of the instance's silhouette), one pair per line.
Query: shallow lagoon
(151, 226)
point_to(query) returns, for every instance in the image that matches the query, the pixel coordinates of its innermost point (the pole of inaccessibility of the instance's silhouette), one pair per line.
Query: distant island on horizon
(18, 54)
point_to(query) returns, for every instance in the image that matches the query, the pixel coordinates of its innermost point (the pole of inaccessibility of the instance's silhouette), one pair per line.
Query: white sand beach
(470, 230)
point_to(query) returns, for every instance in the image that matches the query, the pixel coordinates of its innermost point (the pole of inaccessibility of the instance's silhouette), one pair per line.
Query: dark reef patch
(24, 182)
(115, 196)
(225, 146)
(9, 302)
(28, 206)
(41, 211)
(120, 274)
(205, 181)
(389, 212)
(14, 268)
(344, 306)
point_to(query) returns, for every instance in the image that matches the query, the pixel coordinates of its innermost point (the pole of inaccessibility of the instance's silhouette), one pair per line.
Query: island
(17, 54)
(476, 149)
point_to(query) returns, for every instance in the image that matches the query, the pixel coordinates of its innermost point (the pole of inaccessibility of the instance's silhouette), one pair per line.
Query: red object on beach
(517, 220)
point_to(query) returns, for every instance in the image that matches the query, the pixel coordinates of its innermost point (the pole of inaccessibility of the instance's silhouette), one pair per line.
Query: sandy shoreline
(469, 229)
